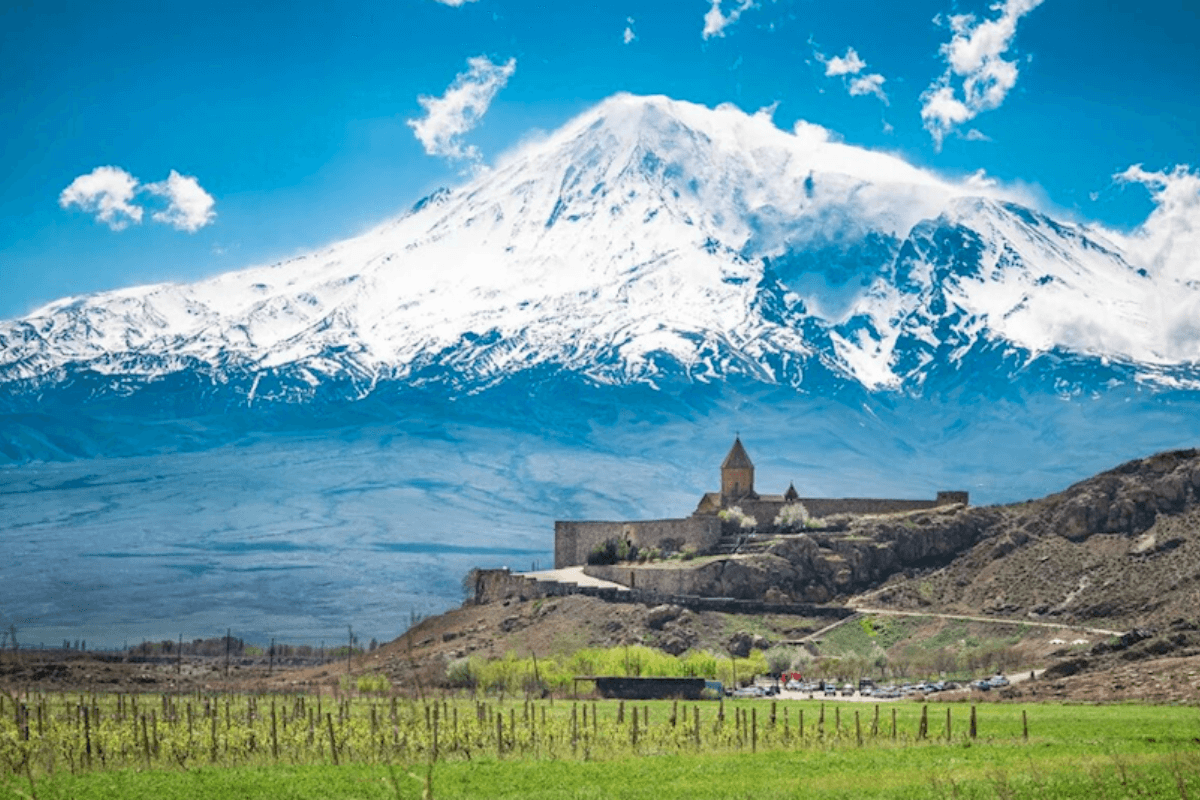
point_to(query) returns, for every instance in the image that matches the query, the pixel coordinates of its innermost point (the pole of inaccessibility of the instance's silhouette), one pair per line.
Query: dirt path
(1054, 625)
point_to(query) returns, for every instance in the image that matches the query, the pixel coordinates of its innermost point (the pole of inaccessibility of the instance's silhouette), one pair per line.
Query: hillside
(1122, 548)
(1119, 551)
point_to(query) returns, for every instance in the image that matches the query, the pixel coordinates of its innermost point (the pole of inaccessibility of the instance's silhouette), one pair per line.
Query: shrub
(735, 516)
(792, 517)
(374, 684)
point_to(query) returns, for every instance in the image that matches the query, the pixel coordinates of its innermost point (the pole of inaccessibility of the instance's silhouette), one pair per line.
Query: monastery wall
(573, 540)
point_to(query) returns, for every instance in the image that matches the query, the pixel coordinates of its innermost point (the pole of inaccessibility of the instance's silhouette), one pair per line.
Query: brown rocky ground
(1119, 550)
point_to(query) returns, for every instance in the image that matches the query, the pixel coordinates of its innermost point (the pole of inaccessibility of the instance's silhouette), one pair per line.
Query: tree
(792, 517)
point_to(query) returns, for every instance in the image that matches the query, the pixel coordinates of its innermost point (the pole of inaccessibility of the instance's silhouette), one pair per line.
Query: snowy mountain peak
(646, 239)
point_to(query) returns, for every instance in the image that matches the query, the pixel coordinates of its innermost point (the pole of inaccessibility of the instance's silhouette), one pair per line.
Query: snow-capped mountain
(646, 240)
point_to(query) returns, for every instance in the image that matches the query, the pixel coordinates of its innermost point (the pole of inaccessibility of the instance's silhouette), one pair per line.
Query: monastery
(715, 516)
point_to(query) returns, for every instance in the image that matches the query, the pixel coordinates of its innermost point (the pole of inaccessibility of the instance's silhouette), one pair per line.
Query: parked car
(793, 685)
(830, 690)
(998, 681)
(981, 685)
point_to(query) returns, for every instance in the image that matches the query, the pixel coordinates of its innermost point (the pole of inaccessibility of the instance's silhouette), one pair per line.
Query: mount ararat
(578, 331)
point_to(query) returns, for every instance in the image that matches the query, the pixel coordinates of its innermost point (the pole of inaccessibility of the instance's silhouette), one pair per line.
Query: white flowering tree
(792, 517)
(735, 515)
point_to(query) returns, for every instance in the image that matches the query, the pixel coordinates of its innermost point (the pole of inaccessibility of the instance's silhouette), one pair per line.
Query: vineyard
(49, 733)
(49, 740)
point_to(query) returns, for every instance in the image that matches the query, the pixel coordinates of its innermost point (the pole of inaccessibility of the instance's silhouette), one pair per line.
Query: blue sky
(246, 134)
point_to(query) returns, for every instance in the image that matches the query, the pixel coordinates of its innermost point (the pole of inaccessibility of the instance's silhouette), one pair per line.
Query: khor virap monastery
(734, 511)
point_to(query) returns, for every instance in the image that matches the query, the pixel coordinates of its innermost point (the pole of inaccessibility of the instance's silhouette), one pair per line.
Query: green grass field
(1071, 751)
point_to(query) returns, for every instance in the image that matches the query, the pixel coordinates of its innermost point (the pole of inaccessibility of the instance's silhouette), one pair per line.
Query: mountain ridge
(646, 236)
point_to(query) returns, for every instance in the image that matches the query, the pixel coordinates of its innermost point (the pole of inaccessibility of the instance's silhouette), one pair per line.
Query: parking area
(870, 692)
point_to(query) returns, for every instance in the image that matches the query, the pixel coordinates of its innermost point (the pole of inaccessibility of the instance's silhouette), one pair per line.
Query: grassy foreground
(1072, 752)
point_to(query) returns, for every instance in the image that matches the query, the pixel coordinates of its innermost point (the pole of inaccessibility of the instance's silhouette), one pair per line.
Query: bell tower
(737, 474)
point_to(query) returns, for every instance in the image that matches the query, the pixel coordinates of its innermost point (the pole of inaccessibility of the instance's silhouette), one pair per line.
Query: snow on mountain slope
(646, 234)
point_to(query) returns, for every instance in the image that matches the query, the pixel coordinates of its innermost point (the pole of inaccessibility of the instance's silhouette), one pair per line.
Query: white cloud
(974, 59)
(105, 192)
(812, 134)
(108, 192)
(979, 179)
(630, 36)
(850, 64)
(459, 110)
(1168, 242)
(189, 207)
(848, 68)
(715, 21)
(455, 3)
(869, 84)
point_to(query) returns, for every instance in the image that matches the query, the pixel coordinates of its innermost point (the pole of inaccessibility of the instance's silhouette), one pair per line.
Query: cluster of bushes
(616, 551)
(613, 551)
(513, 674)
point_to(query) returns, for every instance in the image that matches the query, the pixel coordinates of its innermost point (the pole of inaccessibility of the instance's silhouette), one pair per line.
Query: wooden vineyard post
(821, 722)
(893, 722)
(145, 741)
(575, 728)
(275, 735)
(948, 736)
(753, 730)
(696, 722)
(213, 719)
(499, 735)
(1024, 725)
(857, 728)
(923, 728)
(87, 734)
(837, 720)
(621, 713)
(634, 729)
(972, 722)
(800, 726)
(772, 715)
(875, 723)
(332, 741)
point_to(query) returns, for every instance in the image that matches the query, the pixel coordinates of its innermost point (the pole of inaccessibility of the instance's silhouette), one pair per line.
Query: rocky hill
(1121, 548)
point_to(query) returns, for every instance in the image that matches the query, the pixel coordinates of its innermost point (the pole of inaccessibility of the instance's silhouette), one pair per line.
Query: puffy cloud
(108, 192)
(868, 84)
(629, 34)
(975, 59)
(189, 207)
(455, 3)
(1168, 242)
(459, 110)
(850, 64)
(811, 133)
(105, 192)
(849, 68)
(715, 21)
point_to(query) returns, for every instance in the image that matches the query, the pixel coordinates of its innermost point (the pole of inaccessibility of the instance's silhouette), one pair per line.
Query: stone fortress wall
(764, 512)
(573, 540)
